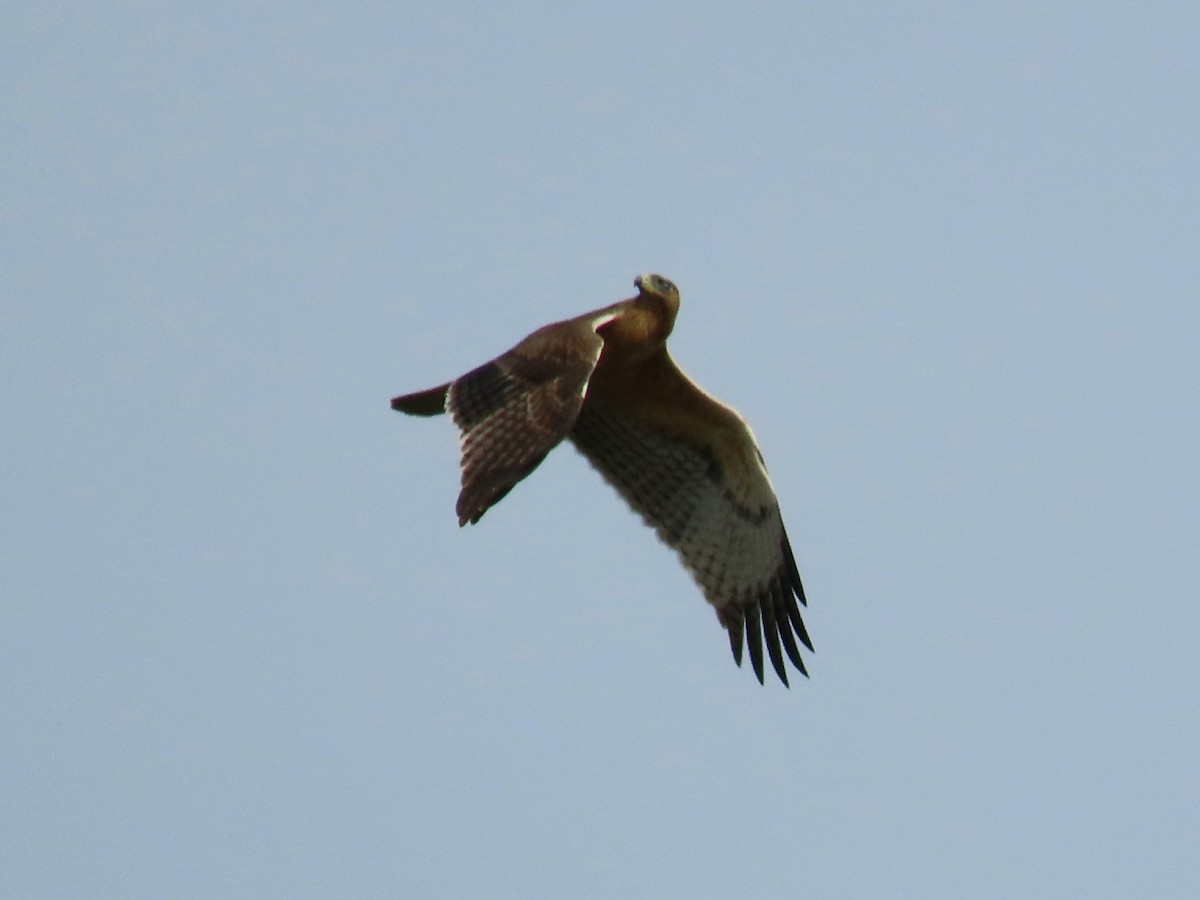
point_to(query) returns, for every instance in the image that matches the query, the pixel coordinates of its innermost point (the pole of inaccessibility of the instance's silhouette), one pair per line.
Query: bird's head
(662, 293)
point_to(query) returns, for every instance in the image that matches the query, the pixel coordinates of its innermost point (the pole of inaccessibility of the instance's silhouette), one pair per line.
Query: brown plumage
(685, 462)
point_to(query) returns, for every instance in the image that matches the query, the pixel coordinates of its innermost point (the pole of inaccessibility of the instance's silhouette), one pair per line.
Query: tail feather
(423, 403)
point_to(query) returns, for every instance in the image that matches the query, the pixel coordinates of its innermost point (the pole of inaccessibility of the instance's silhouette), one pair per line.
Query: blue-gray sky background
(944, 258)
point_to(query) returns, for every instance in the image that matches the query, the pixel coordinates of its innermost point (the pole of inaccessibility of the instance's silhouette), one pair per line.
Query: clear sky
(943, 257)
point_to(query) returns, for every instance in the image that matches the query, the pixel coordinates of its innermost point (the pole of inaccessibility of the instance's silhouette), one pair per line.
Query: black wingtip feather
(793, 652)
(735, 629)
(754, 638)
(793, 613)
(771, 633)
(793, 592)
(793, 571)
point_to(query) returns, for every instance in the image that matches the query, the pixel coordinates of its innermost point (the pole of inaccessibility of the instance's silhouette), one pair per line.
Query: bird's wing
(513, 410)
(691, 468)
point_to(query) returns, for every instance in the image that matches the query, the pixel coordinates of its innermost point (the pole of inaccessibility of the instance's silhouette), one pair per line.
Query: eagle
(685, 462)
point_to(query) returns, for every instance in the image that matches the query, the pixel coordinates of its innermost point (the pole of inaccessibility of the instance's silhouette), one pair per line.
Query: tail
(423, 403)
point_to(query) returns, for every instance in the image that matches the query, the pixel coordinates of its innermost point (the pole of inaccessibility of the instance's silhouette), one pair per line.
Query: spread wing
(695, 475)
(514, 410)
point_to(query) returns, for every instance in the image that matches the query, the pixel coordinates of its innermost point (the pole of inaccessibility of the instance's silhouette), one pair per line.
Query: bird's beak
(637, 282)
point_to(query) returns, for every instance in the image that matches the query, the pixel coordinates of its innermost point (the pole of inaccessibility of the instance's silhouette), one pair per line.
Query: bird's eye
(662, 283)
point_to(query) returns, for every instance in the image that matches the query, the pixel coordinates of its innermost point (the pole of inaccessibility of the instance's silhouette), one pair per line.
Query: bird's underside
(687, 464)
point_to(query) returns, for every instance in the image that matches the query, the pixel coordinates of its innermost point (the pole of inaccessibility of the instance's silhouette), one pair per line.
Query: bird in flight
(682, 460)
